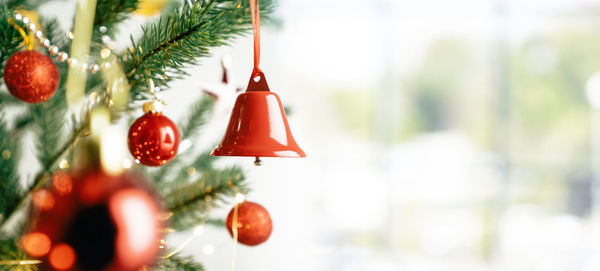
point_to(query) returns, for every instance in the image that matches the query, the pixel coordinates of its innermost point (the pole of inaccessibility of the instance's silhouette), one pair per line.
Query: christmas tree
(68, 88)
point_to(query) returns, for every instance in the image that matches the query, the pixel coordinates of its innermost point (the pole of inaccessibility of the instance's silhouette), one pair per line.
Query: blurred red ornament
(153, 139)
(105, 223)
(31, 76)
(254, 223)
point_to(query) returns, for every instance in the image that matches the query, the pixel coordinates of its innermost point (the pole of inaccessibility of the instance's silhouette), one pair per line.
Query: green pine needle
(10, 39)
(108, 14)
(182, 38)
(191, 203)
(178, 263)
(197, 117)
(9, 251)
(10, 193)
(23, 4)
(189, 128)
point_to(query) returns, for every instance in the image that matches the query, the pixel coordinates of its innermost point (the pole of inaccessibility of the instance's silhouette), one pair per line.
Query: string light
(240, 198)
(63, 164)
(127, 163)
(64, 56)
(198, 230)
(208, 249)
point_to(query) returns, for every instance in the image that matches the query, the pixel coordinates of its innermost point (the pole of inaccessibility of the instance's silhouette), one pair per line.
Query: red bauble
(95, 222)
(31, 76)
(254, 223)
(153, 139)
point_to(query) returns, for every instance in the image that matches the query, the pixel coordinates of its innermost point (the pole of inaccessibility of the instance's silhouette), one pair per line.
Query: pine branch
(50, 122)
(9, 180)
(24, 4)
(6, 98)
(197, 117)
(49, 116)
(220, 223)
(55, 34)
(189, 128)
(203, 162)
(176, 263)
(10, 39)
(43, 176)
(183, 37)
(190, 203)
(10, 251)
(109, 13)
(23, 121)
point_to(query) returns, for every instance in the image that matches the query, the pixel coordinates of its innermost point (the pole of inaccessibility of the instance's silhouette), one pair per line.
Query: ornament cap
(155, 107)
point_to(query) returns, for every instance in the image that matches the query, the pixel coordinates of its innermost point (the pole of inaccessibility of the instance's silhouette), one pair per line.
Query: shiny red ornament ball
(31, 76)
(254, 223)
(100, 223)
(153, 139)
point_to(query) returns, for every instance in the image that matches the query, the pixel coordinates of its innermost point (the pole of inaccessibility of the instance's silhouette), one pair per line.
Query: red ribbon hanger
(255, 13)
(258, 82)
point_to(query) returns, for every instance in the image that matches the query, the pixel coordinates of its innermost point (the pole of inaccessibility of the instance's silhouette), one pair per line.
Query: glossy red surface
(105, 223)
(258, 126)
(254, 225)
(31, 76)
(153, 139)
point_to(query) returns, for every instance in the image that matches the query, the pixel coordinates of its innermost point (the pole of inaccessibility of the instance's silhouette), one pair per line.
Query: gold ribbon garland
(80, 49)
(26, 39)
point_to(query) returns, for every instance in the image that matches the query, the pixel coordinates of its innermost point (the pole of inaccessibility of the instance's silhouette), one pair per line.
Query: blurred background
(441, 135)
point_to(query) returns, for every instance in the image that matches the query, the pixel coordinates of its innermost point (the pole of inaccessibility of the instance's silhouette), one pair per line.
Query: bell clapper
(258, 162)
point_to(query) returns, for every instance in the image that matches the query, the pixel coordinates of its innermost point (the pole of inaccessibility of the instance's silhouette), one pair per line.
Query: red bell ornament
(258, 126)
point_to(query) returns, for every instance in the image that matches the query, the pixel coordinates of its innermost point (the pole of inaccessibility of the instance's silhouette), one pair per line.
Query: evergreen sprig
(49, 116)
(182, 37)
(178, 263)
(197, 117)
(24, 4)
(10, 251)
(10, 39)
(109, 13)
(50, 123)
(9, 179)
(191, 202)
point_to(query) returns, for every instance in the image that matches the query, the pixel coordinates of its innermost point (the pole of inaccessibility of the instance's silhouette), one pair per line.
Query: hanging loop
(255, 13)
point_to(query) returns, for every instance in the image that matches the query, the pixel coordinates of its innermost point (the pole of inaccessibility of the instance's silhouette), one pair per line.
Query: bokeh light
(62, 257)
(62, 182)
(43, 199)
(36, 244)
